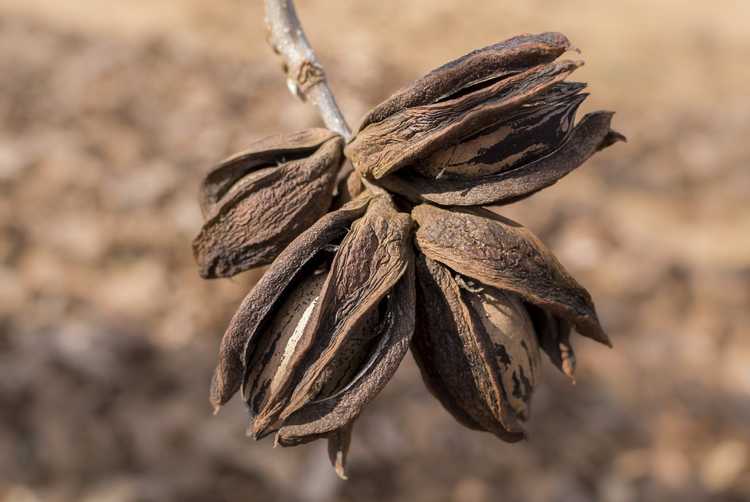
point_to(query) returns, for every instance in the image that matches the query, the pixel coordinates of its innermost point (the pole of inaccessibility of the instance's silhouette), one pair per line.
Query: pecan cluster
(401, 252)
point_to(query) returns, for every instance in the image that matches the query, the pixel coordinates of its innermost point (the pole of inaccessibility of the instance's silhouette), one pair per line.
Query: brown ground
(109, 113)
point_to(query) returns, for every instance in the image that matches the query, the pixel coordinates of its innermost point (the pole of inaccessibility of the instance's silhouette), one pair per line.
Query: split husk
(258, 201)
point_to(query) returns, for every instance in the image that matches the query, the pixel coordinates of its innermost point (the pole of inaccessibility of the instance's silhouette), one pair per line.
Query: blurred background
(111, 111)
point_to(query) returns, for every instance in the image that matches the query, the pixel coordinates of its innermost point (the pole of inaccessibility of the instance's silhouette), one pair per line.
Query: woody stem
(305, 76)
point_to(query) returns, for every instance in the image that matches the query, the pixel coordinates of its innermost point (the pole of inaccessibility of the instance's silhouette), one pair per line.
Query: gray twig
(305, 76)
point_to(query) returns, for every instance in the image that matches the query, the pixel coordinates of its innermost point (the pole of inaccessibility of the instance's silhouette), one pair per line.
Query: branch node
(306, 78)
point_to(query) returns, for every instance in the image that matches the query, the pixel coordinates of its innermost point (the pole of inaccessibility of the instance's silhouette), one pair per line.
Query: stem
(305, 76)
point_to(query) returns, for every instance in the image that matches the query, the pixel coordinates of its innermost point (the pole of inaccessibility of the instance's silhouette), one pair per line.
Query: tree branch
(305, 76)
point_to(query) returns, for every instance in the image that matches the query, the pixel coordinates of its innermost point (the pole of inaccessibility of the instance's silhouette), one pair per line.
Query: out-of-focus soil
(111, 111)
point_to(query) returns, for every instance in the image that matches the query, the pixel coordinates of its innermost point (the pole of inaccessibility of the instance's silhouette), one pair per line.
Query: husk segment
(503, 254)
(408, 136)
(501, 59)
(369, 262)
(592, 134)
(239, 339)
(457, 356)
(291, 177)
(323, 416)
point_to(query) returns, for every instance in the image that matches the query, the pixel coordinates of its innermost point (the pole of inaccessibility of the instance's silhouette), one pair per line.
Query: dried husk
(414, 134)
(590, 135)
(245, 334)
(258, 201)
(522, 135)
(492, 62)
(511, 339)
(369, 262)
(501, 253)
(491, 127)
(324, 415)
(270, 355)
(477, 350)
(333, 416)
